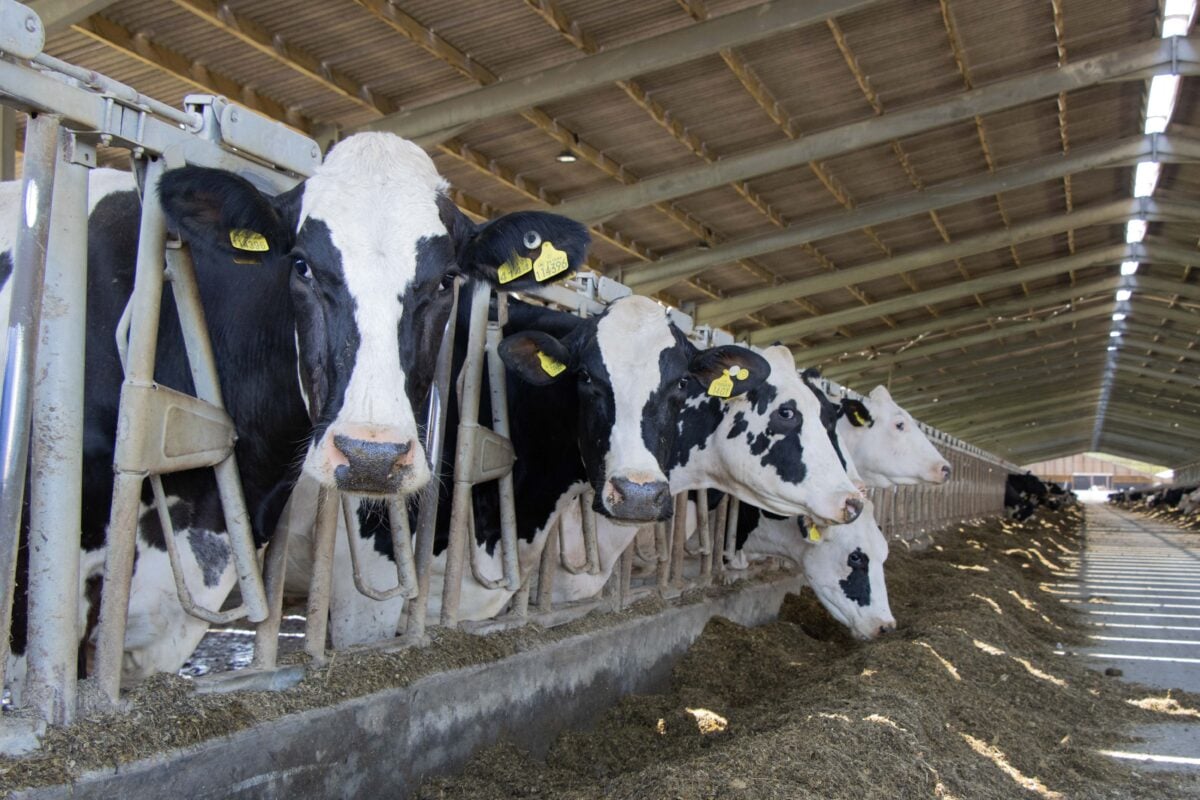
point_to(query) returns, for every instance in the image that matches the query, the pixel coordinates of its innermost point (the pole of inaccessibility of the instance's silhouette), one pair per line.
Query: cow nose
(371, 467)
(886, 628)
(945, 472)
(640, 502)
(854, 507)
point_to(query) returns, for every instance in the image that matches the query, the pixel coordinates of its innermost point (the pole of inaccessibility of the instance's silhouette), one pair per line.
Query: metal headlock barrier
(72, 111)
(1188, 474)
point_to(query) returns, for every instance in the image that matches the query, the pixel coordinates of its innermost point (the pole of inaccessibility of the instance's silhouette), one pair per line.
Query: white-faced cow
(768, 447)
(325, 305)
(886, 444)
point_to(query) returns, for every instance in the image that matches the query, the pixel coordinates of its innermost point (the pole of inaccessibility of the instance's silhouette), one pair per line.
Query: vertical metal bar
(548, 567)
(55, 485)
(731, 526)
(8, 144)
(203, 365)
(706, 548)
(498, 390)
(24, 321)
(663, 557)
(402, 547)
(127, 484)
(590, 544)
(320, 584)
(464, 455)
(678, 538)
(266, 633)
(718, 533)
(435, 434)
(625, 570)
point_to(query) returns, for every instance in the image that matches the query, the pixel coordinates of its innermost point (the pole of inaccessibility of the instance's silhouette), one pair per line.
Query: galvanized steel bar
(321, 582)
(472, 377)
(679, 534)
(549, 565)
(131, 435)
(498, 391)
(56, 460)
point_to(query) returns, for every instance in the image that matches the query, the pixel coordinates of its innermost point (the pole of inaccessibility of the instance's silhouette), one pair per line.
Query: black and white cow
(592, 402)
(769, 448)
(886, 443)
(325, 305)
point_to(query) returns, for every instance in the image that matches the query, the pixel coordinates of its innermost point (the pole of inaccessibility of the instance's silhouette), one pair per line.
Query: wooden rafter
(1061, 50)
(437, 46)
(142, 48)
(766, 100)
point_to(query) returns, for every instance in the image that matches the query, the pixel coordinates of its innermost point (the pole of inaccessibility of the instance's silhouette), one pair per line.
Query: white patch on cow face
(377, 194)
(828, 568)
(893, 451)
(631, 337)
(748, 458)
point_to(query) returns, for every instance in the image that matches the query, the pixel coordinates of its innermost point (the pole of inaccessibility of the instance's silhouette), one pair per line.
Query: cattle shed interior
(946, 197)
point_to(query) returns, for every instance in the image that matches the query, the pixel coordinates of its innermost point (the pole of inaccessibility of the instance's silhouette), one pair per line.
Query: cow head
(831, 412)
(632, 370)
(845, 570)
(886, 443)
(366, 252)
(766, 447)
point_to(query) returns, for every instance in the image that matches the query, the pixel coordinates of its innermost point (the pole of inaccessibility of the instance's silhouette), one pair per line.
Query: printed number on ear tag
(550, 262)
(814, 535)
(511, 270)
(251, 241)
(550, 365)
(723, 385)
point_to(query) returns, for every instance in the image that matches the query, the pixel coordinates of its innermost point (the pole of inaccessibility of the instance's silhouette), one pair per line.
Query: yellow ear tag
(722, 386)
(550, 365)
(251, 241)
(550, 262)
(511, 270)
(859, 419)
(814, 535)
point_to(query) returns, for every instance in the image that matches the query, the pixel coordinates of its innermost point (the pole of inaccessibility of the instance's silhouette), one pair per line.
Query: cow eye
(584, 377)
(532, 239)
(899, 426)
(447, 281)
(856, 559)
(786, 413)
(683, 382)
(301, 267)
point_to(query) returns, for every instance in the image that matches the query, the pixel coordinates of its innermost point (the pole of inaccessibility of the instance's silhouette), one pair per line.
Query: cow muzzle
(373, 467)
(941, 474)
(630, 501)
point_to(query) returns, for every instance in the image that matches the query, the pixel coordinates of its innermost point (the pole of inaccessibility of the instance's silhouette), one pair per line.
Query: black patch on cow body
(426, 306)
(740, 425)
(697, 423)
(212, 554)
(830, 413)
(375, 526)
(857, 585)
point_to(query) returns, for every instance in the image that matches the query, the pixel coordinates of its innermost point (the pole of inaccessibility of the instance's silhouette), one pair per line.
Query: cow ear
(526, 248)
(215, 208)
(537, 358)
(729, 370)
(856, 411)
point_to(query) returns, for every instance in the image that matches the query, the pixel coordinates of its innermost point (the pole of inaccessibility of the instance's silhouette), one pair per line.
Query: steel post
(678, 539)
(55, 484)
(465, 454)
(127, 483)
(498, 390)
(320, 584)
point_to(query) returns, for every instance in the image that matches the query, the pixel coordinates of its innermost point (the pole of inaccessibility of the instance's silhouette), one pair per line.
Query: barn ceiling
(931, 194)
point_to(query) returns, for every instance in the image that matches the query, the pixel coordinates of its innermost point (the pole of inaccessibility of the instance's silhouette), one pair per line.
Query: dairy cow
(770, 448)
(324, 307)
(592, 402)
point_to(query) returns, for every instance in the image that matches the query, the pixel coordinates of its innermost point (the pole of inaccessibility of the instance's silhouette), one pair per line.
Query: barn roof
(931, 194)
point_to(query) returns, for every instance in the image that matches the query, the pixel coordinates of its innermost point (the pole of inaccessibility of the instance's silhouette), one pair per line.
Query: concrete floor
(1139, 585)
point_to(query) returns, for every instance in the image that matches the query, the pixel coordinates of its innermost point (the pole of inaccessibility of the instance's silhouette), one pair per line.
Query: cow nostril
(946, 471)
(854, 507)
(403, 449)
(885, 629)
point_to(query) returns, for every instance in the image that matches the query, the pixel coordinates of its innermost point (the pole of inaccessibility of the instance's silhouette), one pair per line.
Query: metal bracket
(182, 432)
(493, 454)
(21, 31)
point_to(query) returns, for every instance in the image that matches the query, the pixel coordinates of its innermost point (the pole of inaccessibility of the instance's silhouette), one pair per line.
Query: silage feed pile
(967, 699)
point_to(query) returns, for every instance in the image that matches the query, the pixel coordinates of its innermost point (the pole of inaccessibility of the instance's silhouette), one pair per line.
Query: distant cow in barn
(324, 306)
